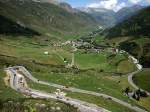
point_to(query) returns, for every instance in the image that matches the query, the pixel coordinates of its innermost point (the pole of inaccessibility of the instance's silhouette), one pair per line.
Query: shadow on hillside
(8, 27)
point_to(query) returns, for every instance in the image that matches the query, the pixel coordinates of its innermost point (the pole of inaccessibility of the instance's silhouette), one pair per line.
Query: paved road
(131, 75)
(16, 85)
(130, 79)
(28, 75)
(131, 82)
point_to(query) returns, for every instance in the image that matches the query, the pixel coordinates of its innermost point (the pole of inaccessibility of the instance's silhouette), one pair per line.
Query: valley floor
(102, 73)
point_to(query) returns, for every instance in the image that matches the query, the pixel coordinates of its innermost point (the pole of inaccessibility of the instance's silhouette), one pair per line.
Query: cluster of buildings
(89, 47)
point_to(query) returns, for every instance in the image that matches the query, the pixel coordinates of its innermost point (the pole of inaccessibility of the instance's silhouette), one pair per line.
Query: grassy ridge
(14, 101)
(133, 35)
(9, 27)
(21, 51)
(133, 26)
(142, 79)
(139, 47)
(102, 102)
(48, 19)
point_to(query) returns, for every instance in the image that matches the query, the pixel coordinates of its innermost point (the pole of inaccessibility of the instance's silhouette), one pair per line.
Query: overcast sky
(108, 4)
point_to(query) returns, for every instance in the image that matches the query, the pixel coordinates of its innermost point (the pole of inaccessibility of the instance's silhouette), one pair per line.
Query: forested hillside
(8, 27)
(136, 30)
(47, 18)
(137, 25)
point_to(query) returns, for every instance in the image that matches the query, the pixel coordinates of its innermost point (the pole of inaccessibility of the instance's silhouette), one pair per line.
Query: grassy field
(94, 80)
(97, 72)
(92, 60)
(33, 49)
(89, 80)
(142, 79)
(99, 40)
(13, 55)
(117, 41)
(105, 61)
(8, 93)
(102, 102)
(16, 102)
(137, 46)
(126, 66)
(105, 103)
(108, 104)
(26, 49)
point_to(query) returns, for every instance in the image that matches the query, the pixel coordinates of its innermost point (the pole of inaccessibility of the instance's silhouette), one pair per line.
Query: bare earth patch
(6, 79)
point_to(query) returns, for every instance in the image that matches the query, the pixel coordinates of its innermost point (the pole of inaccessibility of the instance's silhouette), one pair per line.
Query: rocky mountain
(104, 16)
(47, 18)
(136, 25)
(127, 12)
(67, 7)
(109, 18)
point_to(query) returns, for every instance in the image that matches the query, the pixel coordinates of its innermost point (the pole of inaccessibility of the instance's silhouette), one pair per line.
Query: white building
(46, 52)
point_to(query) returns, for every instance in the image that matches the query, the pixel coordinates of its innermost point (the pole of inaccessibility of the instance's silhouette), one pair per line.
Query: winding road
(131, 75)
(28, 75)
(15, 84)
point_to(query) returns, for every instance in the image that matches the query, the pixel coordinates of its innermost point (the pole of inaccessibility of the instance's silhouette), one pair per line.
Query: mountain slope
(136, 25)
(127, 12)
(67, 7)
(136, 28)
(9, 27)
(105, 17)
(46, 18)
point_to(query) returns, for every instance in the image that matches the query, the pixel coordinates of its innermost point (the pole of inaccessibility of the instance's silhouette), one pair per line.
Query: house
(46, 52)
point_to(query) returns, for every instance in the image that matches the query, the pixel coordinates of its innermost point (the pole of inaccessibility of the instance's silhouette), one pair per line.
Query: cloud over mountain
(116, 4)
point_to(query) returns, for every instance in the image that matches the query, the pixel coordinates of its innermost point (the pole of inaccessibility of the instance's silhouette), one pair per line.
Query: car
(66, 86)
(109, 98)
(59, 97)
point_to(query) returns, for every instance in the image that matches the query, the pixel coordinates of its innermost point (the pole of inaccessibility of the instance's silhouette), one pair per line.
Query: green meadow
(104, 72)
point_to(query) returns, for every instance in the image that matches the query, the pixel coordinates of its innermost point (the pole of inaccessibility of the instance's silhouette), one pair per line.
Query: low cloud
(134, 1)
(109, 4)
(117, 4)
